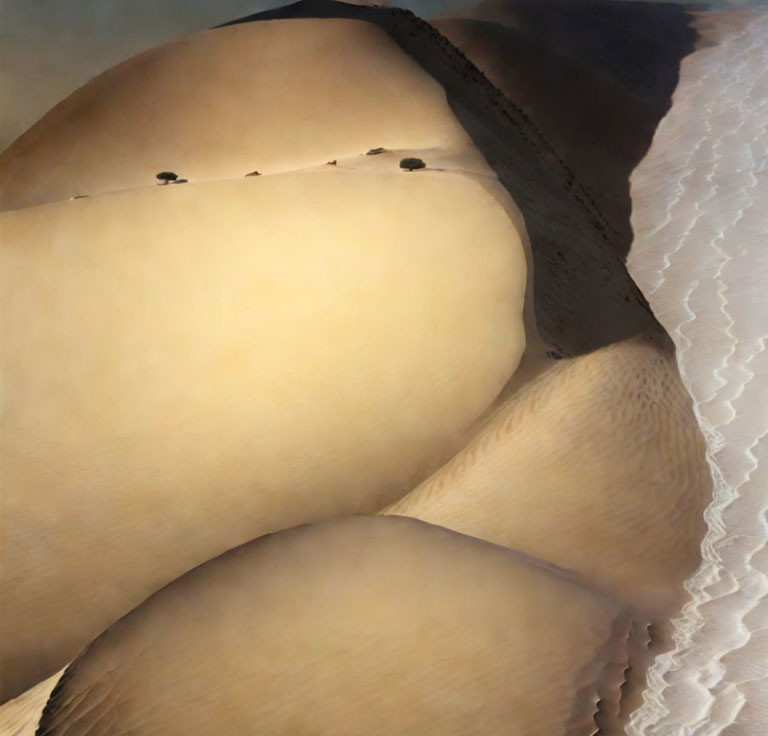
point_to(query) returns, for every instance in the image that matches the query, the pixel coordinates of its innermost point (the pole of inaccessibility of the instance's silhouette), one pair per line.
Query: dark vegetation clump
(410, 164)
(375, 152)
(166, 177)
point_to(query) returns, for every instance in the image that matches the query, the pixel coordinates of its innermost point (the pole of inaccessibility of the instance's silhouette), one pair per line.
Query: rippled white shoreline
(703, 267)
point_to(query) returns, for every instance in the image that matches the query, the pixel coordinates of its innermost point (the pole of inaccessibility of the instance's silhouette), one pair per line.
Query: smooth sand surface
(272, 96)
(366, 625)
(598, 467)
(188, 367)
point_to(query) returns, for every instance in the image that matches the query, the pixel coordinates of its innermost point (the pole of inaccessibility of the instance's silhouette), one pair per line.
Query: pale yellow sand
(597, 467)
(188, 367)
(266, 448)
(20, 716)
(358, 626)
(271, 96)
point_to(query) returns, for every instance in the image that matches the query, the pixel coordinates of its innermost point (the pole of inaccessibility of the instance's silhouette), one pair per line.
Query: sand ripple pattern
(700, 256)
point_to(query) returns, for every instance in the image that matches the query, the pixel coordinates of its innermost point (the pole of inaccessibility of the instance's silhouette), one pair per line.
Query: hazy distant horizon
(50, 48)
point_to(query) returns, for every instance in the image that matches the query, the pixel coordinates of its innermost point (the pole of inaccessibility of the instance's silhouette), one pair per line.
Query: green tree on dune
(167, 177)
(410, 164)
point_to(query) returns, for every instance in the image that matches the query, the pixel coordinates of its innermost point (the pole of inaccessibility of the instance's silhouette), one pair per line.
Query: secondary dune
(272, 96)
(20, 716)
(597, 467)
(188, 367)
(584, 296)
(363, 625)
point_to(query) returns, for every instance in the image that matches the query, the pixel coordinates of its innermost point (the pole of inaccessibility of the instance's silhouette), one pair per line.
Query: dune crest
(364, 625)
(21, 716)
(186, 368)
(598, 467)
(307, 91)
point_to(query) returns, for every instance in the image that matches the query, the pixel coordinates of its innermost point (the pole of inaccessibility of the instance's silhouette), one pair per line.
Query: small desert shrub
(167, 177)
(409, 164)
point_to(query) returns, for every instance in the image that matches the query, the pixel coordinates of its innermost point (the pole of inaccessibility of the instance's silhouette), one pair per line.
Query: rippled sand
(700, 258)
(363, 625)
(593, 465)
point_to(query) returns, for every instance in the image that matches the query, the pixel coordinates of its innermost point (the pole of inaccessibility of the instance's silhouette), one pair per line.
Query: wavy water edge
(702, 265)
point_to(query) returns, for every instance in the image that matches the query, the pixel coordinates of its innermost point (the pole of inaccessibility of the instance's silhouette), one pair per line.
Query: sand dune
(364, 625)
(595, 77)
(597, 467)
(352, 88)
(273, 96)
(186, 368)
(20, 716)
(584, 297)
(300, 388)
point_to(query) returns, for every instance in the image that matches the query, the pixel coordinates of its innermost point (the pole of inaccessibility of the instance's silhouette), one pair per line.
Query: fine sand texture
(598, 466)
(314, 341)
(188, 367)
(584, 297)
(365, 625)
(317, 81)
(20, 716)
(273, 96)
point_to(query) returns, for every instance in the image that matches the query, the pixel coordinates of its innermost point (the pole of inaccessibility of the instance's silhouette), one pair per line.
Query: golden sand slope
(357, 626)
(188, 367)
(272, 96)
(597, 467)
(20, 716)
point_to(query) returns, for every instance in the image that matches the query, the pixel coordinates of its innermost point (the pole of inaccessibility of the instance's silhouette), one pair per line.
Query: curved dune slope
(595, 76)
(359, 626)
(271, 96)
(584, 296)
(20, 716)
(598, 467)
(186, 368)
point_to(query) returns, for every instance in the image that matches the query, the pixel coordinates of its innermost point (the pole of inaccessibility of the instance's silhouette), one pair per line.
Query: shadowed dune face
(236, 344)
(359, 626)
(600, 120)
(186, 368)
(598, 467)
(584, 296)
(306, 92)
